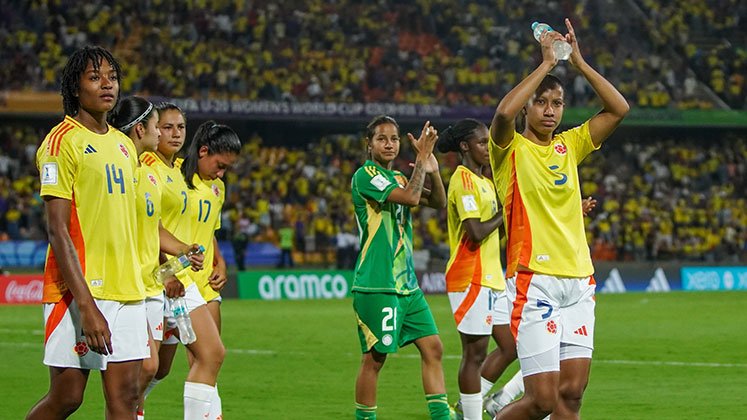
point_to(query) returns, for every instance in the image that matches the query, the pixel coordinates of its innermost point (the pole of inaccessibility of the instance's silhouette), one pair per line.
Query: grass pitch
(678, 355)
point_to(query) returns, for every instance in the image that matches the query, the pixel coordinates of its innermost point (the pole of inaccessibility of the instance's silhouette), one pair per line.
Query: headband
(137, 120)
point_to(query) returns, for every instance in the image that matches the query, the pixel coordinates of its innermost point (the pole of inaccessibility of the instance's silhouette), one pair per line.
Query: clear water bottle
(175, 264)
(561, 48)
(183, 320)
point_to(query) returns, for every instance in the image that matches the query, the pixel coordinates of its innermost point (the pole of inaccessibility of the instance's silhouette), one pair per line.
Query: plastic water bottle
(175, 264)
(183, 320)
(561, 48)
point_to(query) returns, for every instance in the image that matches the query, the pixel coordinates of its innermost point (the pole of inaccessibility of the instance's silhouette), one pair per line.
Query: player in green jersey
(390, 307)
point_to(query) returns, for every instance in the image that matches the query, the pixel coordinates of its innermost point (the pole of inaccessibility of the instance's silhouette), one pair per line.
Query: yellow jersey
(541, 196)
(96, 173)
(174, 203)
(206, 203)
(148, 193)
(472, 196)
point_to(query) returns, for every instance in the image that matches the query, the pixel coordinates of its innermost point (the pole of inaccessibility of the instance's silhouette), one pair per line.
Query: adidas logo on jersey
(614, 283)
(168, 179)
(582, 331)
(659, 282)
(89, 149)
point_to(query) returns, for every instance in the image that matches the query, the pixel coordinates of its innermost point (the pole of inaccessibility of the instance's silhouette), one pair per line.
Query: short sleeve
(374, 185)
(578, 141)
(57, 161)
(465, 196)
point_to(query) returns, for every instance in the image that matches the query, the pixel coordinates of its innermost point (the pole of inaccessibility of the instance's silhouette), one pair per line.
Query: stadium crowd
(659, 199)
(413, 51)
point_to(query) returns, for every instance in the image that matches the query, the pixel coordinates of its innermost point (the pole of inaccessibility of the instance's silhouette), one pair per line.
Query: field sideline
(678, 355)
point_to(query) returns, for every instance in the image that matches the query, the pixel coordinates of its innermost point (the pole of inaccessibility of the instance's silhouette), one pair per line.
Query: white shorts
(478, 308)
(65, 345)
(154, 309)
(548, 311)
(193, 299)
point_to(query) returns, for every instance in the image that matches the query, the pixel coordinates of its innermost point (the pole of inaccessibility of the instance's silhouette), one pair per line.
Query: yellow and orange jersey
(472, 196)
(206, 203)
(96, 172)
(174, 202)
(539, 188)
(148, 195)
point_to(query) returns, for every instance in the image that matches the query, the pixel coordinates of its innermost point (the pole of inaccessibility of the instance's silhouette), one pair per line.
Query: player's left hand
(218, 277)
(587, 205)
(575, 59)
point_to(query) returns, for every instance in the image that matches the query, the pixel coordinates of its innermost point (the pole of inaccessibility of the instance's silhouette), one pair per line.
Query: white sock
(197, 399)
(485, 386)
(151, 385)
(471, 406)
(513, 388)
(216, 407)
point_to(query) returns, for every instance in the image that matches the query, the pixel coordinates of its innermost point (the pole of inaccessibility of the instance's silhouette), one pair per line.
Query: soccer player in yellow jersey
(138, 119)
(214, 149)
(549, 268)
(200, 394)
(93, 295)
(474, 275)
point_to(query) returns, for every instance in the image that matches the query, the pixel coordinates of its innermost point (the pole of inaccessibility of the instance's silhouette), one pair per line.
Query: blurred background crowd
(679, 196)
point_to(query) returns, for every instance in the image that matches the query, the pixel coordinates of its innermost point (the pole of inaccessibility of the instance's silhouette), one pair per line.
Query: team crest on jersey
(124, 151)
(216, 191)
(152, 179)
(552, 328)
(80, 348)
(560, 149)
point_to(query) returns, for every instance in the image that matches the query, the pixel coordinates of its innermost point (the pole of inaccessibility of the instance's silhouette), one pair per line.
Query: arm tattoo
(417, 179)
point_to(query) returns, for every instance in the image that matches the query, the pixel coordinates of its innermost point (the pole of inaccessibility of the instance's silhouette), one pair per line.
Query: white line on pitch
(258, 352)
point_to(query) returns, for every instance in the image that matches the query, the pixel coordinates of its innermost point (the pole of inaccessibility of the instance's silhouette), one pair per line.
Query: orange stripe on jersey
(523, 279)
(72, 121)
(54, 284)
(467, 303)
(519, 246)
(148, 160)
(58, 312)
(53, 135)
(56, 138)
(466, 267)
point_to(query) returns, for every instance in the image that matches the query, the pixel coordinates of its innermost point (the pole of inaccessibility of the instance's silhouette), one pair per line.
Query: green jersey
(385, 262)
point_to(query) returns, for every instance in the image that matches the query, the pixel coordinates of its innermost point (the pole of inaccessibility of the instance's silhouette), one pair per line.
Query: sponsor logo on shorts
(581, 331)
(159, 327)
(81, 348)
(552, 327)
(489, 320)
(386, 340)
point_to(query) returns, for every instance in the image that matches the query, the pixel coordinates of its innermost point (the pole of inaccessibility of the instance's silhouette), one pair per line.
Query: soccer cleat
(455, 412)
(491, 404)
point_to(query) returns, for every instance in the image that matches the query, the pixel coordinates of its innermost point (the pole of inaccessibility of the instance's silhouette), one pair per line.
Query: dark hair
(131, 111)
(74, 68)
(377, 121)
(218, 138)
(549, 82)
(449, 139)
(170, 106)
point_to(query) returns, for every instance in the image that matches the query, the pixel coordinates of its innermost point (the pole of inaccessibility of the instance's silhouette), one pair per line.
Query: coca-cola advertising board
(21, 288)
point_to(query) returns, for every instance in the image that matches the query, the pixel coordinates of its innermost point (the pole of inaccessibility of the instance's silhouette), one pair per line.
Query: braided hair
(74, 68)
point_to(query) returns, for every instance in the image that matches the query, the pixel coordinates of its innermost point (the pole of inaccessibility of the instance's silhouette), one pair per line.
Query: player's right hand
(96, 330)
(196, 259)
(546, 40)
(173, 287)
(427, 140)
